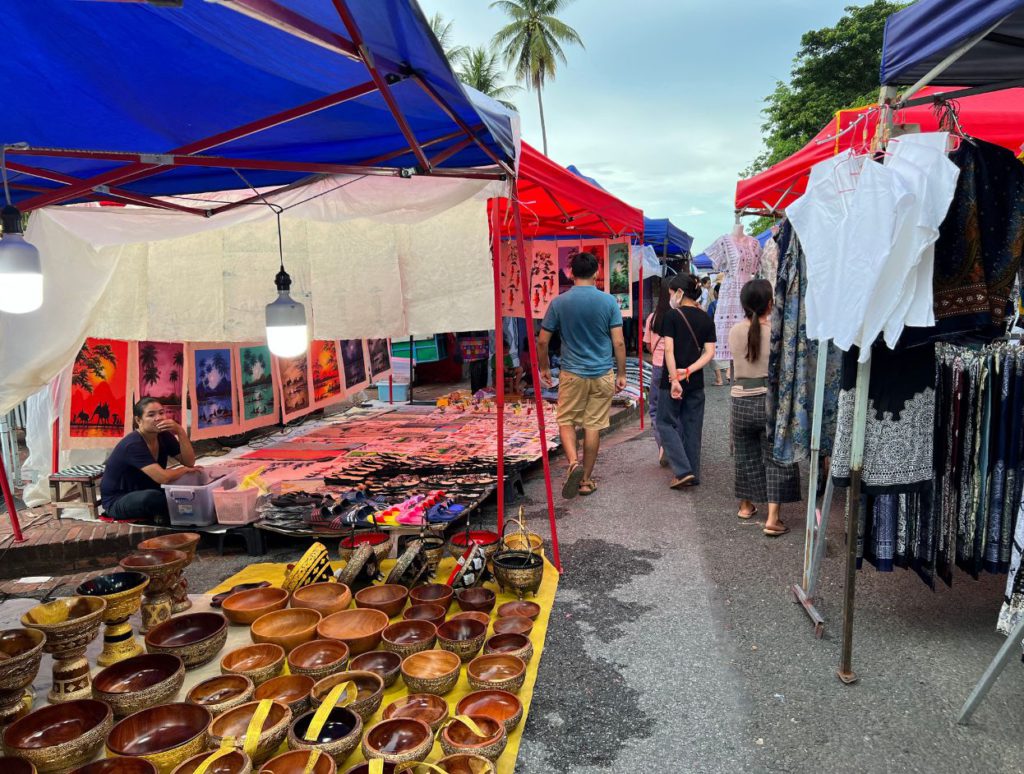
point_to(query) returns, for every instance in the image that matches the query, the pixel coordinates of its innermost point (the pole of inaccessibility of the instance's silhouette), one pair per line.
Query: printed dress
(739, 258)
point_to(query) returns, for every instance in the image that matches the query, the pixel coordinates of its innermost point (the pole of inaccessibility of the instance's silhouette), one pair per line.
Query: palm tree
(532, 44)
(443, 32)
(480, 69)
(148, 361)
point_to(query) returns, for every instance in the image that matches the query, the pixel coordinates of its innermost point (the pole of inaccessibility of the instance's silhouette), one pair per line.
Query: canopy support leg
(1009, 647)
(499, 364)
(639, 332)
(12, 511)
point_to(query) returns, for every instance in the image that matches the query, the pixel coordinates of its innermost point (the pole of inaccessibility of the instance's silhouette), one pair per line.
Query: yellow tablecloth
(274, 573)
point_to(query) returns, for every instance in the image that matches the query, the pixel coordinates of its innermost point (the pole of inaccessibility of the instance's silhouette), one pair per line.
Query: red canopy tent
(997, 118)
(549, 201)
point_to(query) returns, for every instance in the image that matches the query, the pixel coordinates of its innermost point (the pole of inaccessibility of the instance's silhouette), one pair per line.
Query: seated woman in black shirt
(137, 467)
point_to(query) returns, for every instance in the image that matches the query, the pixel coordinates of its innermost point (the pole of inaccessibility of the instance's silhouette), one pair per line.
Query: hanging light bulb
(21, 272)
(287, 335)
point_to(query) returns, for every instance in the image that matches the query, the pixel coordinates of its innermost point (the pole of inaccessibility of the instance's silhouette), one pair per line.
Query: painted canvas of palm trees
(354, 364)
(257, 382)
(294, 376)
(214, 398)
(99, 390)
(161, 375)
(326, 375)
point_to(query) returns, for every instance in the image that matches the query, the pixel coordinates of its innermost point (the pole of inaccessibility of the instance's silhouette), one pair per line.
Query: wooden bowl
(339, 736)
(369, 691)
(519, 608)
(12, 765)
(432, 594)
(260, 662)
(364, 768)
(318, 658)
(361, 630)
(174, 541)
(287, 628)
(476, 600)
(69, 623)
(292, 690)
(325, 598)
(388, 598)
(502, 706)
(498, 671)
(515, 624)
(432, 671)
(234, 762)
(297, 762)
(466, 763)
(483, 618)
(428, 612)
(408, 637)
(381, 662)
(431, 709)
(398, 740)
(510, 644)
(139, 682)
(458, 738)
(194, 637)
(462, 637)
(221, 693)
(244, 607)
(61, 736)
(21, 650)
(122, 590)
(161, 565)
(234, 723)
(112, 766)
(166, 735)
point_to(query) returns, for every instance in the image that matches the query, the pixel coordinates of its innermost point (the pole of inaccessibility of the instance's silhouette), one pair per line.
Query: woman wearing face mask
(689, 338)
(758, 478)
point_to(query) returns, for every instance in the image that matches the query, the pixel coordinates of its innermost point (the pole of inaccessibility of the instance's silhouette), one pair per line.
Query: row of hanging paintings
(233, 387)
(550, 266)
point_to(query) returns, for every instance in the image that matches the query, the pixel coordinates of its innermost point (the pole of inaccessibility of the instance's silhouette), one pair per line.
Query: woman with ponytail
(758, 478)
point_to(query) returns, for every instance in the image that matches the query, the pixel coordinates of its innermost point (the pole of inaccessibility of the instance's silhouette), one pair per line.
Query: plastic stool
(253, 540)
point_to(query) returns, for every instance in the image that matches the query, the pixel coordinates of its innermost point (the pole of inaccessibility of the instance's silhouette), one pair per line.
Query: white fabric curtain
(368, 256)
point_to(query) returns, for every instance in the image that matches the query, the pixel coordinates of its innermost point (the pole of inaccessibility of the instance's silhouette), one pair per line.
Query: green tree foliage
(532, 44)
(442, 29)
(479, 68)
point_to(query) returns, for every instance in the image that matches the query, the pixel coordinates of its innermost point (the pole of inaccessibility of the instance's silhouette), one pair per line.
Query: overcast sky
(663, 105)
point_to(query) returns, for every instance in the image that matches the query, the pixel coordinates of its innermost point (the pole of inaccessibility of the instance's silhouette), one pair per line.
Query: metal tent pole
(1009, 647)
(499, 362)
(640, 332)
(860, 415)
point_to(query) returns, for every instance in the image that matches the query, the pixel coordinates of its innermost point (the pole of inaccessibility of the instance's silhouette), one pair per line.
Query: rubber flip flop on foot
(662, 459)
(571, 487)
(747, 516)
(776, 532)
(683, 481)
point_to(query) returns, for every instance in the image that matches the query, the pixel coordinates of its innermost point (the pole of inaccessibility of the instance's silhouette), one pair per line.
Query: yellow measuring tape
(311, 762)
(316, 725)
(205, 765)
(470, 724)
(255, 727)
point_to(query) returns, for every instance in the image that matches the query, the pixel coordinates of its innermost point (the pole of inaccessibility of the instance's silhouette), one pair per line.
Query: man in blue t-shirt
(590, 325)
(137, 467)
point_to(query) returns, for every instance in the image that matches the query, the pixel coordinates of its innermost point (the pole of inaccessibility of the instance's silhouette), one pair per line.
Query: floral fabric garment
(739, 259)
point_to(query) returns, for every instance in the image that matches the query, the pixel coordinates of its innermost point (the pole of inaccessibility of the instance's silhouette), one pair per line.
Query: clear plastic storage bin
(234, 505)
(190, 499)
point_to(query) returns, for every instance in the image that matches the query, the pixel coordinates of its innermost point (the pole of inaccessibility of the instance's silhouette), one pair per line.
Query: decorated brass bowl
(313, 567)
(499, 671)
(69, 624)
(139, 682)
(432, 613)
(196, 638)
(411, 567)
(221, 693)
(408, 637)
(462, 636)
(228, 762)
(460, 738)
(432, 594)
(318, 659)
(369, 689)
(431, 709)
(361, 630)
(378, 540)
(20, 653)
(116, 765)
(123, 592)
(338, 737)
(469, 569)
(520, 571)
(433, 550)
(297, 762)
(510, 644)
(389, 598)
(166, 735)
(398, 740)
(187, 543)
(466, 763)
(476, 600)
(384, 663)
(325, 598)
(288, 628)
(502, 706)
(244, 607)
(485, 538)
(520, 608)
(61, 736)
(292, 690)
(361, 569)
(164, 568)
(432, 671)
(259, 663)
(230, 729)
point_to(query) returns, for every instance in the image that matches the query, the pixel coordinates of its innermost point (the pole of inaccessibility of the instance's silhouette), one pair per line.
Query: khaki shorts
(585, 402)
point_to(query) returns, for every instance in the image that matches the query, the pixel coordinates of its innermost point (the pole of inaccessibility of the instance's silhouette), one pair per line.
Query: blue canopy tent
(955, 43)
(667, 239)
(130, 101)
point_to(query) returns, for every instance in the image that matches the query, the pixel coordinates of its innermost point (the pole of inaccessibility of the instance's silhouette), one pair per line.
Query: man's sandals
(571, 487)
